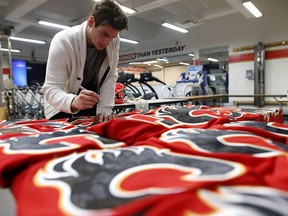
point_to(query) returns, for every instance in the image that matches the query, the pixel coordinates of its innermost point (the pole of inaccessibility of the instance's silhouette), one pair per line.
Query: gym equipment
(28, 100)
(192, 82)
(5, 32)
(144, 91)
(218, 82)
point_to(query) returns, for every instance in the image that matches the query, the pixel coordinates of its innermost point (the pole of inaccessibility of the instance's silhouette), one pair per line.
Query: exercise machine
(192, 82)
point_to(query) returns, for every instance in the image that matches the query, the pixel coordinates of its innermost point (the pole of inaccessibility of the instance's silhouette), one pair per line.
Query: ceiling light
(129, 41)
(150, 62)
(159, 66)
(27, 40)
(127, 10)
(191, 54)
(176, 28)
(162, 59)
(11, 50)
(55, 25)
(135, 63)
(183, 63)
(124, 8)
(251, 7)
(212, 59)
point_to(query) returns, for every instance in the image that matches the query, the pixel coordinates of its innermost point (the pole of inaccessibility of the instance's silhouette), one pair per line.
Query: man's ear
(91, 21)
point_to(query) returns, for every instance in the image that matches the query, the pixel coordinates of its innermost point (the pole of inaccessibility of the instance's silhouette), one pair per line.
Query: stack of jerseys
(172, 160)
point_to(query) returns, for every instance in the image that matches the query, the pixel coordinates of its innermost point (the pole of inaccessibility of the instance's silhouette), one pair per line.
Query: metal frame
(5, 32)
(259, 74)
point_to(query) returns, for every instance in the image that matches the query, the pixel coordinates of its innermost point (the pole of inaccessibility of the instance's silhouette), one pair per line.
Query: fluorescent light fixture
(183, 63)
(129, 41)
(150, 62)
(162, 59)
(191, 54)
(127, 10)
(135, 63)
(159, 66)
(12, 50)
(176, 28)
(124, 8)
(212, 59)
(251, 7)
(55, 25)
(27, 40)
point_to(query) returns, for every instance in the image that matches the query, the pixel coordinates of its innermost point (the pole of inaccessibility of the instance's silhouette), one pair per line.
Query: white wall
(5, 64)
(172, 74)
(238, 83)
(277, 76)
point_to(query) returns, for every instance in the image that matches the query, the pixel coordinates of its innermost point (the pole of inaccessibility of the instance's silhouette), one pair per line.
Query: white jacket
(64, 72)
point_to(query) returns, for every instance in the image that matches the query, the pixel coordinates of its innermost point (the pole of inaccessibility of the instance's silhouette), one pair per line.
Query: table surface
(203, 97)
(280, 97)
(259, 95)
(154, 101)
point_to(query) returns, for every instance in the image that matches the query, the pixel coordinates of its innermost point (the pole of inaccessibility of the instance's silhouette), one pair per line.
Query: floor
(7, 206)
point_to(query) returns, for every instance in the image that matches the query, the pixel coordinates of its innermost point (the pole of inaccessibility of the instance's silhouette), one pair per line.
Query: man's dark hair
(110, 12)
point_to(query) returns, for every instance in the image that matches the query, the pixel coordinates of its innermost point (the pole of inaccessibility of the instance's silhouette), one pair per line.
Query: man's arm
(57, 72)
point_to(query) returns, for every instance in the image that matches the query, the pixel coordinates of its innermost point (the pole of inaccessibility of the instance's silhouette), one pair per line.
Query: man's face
(100, 36)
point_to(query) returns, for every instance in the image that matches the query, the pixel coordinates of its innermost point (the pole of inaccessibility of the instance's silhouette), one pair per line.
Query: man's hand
(85, 100)
(101, 117)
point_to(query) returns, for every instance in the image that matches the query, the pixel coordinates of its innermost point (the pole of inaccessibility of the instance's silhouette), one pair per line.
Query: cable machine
(1, 76)
(259, 74)
(5, 32)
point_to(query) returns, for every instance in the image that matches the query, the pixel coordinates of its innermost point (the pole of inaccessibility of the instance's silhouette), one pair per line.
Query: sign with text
(133, 69)
(152, 53)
